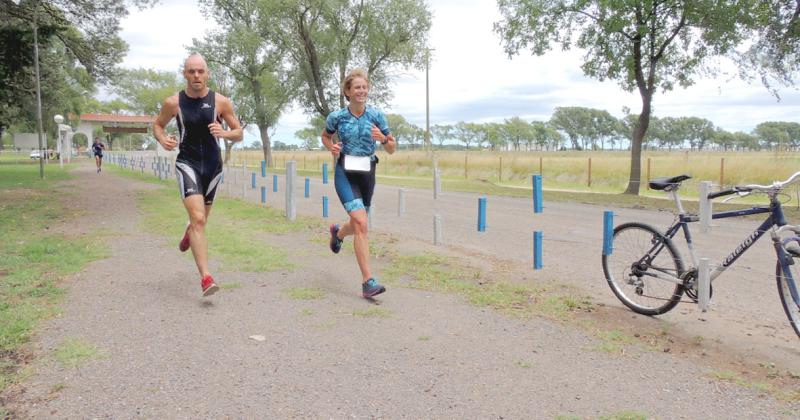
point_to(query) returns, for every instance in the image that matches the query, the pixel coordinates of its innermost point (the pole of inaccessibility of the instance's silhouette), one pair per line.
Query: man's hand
(169, 143)
(216, 129)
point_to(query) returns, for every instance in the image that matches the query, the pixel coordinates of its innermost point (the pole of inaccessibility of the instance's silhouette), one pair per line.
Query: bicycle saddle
(660, 184)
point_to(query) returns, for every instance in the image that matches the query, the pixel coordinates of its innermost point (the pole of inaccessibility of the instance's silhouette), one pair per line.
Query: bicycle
(647, 273)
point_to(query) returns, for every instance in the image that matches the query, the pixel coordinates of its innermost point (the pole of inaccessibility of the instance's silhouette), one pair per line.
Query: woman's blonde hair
(348, 81)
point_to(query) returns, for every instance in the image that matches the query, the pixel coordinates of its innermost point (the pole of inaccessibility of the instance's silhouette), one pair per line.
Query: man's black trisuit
(97, 149)
(198, 166)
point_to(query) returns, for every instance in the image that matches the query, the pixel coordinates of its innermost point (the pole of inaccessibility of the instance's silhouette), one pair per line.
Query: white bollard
(437, 229)
(437, 183)
(703, 285)
(369, 216)
(401, 202)
(291, 171)
(705, 206)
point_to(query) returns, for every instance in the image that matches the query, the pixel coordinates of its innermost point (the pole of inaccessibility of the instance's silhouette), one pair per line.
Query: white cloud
(472, 79)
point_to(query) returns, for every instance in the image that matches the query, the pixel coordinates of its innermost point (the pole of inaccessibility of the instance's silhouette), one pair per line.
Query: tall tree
(774, 53)
(325, 39)
(78, 44)
(442, 133)
(645, 45)
(143, 90)
(247, 49)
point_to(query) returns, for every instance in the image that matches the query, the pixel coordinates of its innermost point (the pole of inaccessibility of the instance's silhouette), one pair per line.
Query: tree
(78, 43)
(309, 136)
(516, 131)
(246, 49)
(402, 130)
(644, 45)
(774, 54)
(573, 121)
(698, 131)
(325, 39)
(143, 90)
(463, 133)
(442, 133)
(776, 134)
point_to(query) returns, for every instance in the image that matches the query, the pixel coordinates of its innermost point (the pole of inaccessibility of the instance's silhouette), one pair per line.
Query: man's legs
(198, 216)
(357, 226)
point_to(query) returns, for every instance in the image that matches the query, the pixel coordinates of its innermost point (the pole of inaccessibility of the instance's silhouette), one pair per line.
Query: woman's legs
(357, 226)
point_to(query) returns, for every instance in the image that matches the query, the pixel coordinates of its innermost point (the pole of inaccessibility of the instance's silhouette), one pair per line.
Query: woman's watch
(385, 141)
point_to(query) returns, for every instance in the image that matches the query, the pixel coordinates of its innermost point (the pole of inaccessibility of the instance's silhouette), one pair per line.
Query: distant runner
(199, 112)
(359, 127)
(97, 151)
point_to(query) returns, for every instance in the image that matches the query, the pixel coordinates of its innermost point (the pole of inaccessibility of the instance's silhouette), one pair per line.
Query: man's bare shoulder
(171, 101)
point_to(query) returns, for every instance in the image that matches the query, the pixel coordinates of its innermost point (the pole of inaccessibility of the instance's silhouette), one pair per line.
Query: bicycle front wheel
(640, 252)
(791, 307)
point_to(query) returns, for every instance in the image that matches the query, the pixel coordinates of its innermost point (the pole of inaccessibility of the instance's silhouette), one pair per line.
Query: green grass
(304, 293)
(626, 415)
(73, 352)
(230, 286)
(32, 260)
(440, 274)
(234, 230)
(373, 312)
(613, 341)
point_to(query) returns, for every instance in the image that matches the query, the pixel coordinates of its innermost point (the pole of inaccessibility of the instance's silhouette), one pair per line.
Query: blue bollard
(608, 232)
(537, 250)
(325, 173)
(263, 169)
(263, 195)
(325, 206)
(274, 183)
(482, 214)
(537, 193)
(308, 187)
(253, 180)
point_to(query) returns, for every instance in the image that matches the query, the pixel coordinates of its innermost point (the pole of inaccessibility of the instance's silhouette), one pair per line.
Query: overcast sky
(471, 78)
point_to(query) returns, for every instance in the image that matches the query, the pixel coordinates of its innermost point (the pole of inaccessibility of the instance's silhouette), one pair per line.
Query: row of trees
(583, 129)
(269, 54)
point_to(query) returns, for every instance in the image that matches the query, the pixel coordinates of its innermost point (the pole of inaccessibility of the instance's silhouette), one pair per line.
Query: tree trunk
(636, 145)
(265, 144)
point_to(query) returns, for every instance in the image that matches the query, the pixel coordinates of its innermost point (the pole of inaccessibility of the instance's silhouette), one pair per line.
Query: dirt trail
(168, 353)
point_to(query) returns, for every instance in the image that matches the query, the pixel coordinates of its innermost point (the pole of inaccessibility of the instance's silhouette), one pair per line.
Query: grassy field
(32, 259)
(560, 170)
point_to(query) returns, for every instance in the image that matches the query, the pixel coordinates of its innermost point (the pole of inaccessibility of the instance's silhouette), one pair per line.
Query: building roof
(122, 119)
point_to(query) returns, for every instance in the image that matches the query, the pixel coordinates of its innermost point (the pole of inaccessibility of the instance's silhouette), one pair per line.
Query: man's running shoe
(208, 286)
(336, 243)
(184, 244)
(371, 288)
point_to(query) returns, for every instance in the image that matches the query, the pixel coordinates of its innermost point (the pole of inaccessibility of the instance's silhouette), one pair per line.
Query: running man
(199, 112)
(359, 127)
(97, 151)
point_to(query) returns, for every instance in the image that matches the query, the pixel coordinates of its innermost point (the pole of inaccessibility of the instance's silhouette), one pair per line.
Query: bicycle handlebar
(777, 185)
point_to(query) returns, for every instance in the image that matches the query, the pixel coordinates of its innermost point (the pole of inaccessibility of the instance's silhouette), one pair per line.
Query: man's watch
(385, 141)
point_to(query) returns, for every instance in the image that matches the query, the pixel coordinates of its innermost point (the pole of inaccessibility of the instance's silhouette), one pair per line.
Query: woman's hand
(377, 135)
(335, 149)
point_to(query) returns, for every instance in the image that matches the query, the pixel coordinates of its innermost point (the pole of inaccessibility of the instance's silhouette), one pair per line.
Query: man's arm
(234, 132)
(168, 110)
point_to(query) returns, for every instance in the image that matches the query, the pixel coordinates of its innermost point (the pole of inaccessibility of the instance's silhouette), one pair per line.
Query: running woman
(199, 112)
(359, 127)
(97, 151)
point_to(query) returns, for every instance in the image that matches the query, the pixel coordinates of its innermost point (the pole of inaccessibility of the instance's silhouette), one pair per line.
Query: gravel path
(168, 353)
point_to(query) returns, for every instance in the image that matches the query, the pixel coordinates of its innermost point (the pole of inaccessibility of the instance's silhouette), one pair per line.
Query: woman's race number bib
(357, 163)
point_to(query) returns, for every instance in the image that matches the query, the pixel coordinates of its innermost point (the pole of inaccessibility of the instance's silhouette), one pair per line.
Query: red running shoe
(208, 286)
(184, 244)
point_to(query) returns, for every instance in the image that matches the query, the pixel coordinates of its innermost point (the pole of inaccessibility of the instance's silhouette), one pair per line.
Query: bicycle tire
(791, 308)
(642, 294)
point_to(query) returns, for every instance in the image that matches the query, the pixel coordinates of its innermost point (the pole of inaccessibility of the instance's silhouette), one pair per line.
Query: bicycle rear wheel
(791, 307)
(640, 251)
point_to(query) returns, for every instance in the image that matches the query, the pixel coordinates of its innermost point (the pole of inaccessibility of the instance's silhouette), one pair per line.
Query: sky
(472, 79)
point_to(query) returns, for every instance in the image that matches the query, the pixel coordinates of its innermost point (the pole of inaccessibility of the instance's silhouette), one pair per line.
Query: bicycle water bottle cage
(667, 183)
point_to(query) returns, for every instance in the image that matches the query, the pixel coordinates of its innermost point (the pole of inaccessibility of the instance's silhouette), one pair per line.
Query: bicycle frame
(775, 218)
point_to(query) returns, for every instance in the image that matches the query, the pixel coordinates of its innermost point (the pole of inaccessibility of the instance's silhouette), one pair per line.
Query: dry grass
(561, 170)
